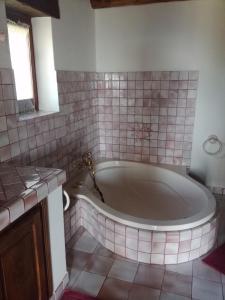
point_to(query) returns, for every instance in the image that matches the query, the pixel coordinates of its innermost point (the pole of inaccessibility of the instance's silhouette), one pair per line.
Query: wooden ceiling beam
(114, 3)
(35, 8)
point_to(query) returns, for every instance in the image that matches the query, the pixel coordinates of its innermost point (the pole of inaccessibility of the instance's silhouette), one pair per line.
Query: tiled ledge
(36, 114)
(21, 188)
(144, 245)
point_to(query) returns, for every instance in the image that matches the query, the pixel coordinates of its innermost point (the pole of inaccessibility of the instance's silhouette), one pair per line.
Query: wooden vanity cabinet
(25, 271)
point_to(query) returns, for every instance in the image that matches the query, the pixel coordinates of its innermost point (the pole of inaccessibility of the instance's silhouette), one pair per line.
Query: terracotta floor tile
(102, 251)
(86, 243)
(77, 259)
(99, 265)
(223, 278)
(177, 283)
(206, 290)
(203, 271)
(170, 296)
(73, 276)
(123, 270)
(149, 276)
(138, 292)
(184, 268)
(89, 283)
(114, 289)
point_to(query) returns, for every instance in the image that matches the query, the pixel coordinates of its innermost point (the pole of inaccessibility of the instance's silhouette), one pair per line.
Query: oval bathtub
(174, 212)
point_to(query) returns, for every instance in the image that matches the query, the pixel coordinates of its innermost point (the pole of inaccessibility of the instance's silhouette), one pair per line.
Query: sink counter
(21, 188)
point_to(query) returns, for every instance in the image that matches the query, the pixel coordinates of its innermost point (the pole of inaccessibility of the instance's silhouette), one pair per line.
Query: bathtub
(151, 213)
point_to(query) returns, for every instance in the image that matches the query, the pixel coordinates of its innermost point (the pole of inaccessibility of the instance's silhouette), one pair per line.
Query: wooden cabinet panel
(22, 260)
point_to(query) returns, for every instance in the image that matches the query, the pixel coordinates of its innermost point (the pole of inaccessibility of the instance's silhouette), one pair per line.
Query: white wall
(74, 36)
(188, 35)
(45, 64)
(57, 237)
(4, 48)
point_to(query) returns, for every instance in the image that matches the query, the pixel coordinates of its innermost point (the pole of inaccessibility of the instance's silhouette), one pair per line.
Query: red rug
(72, 295)
(216, 259)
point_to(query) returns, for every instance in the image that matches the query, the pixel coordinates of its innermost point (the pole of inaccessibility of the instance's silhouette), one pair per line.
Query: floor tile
(123, 270)
(223, 291)
(206, 290)
(73, 276)
(183, 268)
(149, 276)
(89, 283)
(177, 283)
(99, 264)
(114, 289)
(77, 259)
(170, 296)
(203, 271)
(86, 243)
(139, 292)
(100, 250)
(223, 278)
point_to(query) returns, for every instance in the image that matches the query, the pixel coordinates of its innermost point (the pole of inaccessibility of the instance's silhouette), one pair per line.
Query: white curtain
(19, 43)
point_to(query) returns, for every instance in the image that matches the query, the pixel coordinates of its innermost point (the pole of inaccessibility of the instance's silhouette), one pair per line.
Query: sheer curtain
(19, 43)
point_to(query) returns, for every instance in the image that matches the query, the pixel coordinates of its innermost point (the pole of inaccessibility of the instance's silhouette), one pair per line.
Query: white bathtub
(145, 199)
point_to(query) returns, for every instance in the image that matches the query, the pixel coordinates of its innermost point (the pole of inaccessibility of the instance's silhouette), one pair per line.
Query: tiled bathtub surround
(142, 245)
(147, 116)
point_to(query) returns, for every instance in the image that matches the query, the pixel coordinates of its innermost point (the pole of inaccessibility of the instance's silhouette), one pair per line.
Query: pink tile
(157, 259)
(30, 199)
(159, 237)
(144, 257)
(144, 246)
(120, 239)
(120, 250)
(185, 235)
(16, 209)
(131, 243)
(131, 254)
(4, 217)
(185, 246)
(171, 248)
(132, 233)
(170, 259)
(158, 248)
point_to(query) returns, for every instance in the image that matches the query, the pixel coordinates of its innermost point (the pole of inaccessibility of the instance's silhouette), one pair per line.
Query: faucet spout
(88, 162)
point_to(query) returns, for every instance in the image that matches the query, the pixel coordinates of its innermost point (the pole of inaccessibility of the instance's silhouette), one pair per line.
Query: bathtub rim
(82, 192)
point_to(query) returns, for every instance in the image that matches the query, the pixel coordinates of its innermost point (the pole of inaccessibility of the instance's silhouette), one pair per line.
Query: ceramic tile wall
(156, 247)
(142, 116)
(55, 140)
(147, 116)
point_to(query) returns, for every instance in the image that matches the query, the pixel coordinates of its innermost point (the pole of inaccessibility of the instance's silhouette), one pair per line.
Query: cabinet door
(22, 261)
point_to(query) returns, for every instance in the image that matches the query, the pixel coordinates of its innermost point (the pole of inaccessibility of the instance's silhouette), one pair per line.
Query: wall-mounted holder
(215, 141)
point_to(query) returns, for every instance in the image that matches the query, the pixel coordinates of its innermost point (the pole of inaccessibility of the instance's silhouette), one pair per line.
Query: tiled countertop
(21, 188)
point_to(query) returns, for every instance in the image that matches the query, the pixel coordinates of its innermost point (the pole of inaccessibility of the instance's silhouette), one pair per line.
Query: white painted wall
(57, 238)
(74, 36)
(173, 36)
(5, 61)
(45, 64)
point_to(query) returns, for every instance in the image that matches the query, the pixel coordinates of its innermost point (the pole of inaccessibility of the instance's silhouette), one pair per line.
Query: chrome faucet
(88, 162)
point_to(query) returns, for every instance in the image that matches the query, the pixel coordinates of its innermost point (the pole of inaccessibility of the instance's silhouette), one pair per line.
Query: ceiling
(114, 3)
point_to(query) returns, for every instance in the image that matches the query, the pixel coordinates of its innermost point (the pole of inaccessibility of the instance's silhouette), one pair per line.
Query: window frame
(17, 16)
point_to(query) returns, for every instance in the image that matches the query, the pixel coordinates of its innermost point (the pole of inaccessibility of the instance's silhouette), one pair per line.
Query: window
(22, 59)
